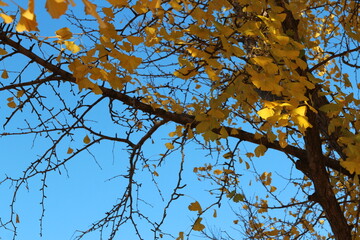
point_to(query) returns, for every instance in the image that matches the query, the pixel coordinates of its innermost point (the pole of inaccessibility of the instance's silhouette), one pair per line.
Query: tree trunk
(324, 194)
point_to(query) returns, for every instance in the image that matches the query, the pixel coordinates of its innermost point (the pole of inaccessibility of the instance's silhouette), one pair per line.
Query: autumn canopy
(241, 80)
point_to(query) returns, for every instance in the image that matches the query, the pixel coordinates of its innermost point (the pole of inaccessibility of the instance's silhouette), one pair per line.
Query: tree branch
(183, 119)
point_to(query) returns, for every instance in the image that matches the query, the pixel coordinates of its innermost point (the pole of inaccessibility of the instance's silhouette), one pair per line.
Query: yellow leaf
(70, 151)
(258, 135)
(212, 74)
(96, 89)
(86, 139)
(202, 127)
(351, 166)
(262, 61)
(235, 221)
(129, 62)
(266, 83)
(154, 4)
(108, 12)
(175, 5)
(118, 3)
(185, 73)
(265, 113)
(3, 51)
(302, 64)
(20, 93)
(234, 131)
(156, 174)
(169, 146)
(135, 40)
(64, 33)
(273, 189)
(299, 111)
(273, 232)
(217, 113)
(223, 29)
(71, 46)
(56, 8)
(238, 197)
(198, 226)
(4, 74)
(282, 40)
(302, 121)
(140, 8)
(282, 139)
(181, 236)
(260, 150)
(195, 206)
(331, 107)
(218, 172)
(11, 104)
(126, 46)
(228, 155)
(27, 20)
(190, 134)
(6, 18)
(90, 9)
(291, 54)
(17, 219)
(26, 24)
(215, 213)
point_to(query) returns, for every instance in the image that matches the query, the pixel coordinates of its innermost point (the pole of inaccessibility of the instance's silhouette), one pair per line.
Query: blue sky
(75, 201)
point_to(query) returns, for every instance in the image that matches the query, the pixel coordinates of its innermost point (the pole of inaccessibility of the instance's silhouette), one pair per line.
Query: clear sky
(81, 195)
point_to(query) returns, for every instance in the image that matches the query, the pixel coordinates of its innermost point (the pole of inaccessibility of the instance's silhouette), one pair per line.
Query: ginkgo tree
(280, 74)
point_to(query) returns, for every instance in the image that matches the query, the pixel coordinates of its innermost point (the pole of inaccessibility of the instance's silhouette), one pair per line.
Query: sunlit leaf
(71, 46)
(265, 113)
(27, 20)
(56, 8)
(6, 18)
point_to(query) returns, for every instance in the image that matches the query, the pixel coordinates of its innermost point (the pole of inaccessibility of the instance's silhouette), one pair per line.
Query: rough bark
(314, 166)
